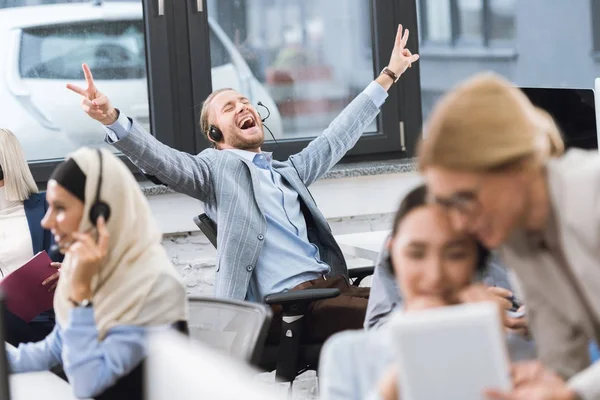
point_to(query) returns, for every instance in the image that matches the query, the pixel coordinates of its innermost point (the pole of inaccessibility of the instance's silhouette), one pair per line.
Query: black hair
(68, 175)
(416, 198)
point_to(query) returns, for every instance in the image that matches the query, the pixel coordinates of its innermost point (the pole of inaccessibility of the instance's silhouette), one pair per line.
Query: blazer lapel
(34, 211)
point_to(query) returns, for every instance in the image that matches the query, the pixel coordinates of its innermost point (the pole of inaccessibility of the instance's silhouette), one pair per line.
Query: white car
(42, 49)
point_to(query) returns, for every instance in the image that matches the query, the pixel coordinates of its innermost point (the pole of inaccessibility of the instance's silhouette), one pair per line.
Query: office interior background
(304, 59)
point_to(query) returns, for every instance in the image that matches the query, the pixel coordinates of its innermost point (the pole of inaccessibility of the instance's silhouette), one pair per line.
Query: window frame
(387, 142)
(177, 84)
(456, 40)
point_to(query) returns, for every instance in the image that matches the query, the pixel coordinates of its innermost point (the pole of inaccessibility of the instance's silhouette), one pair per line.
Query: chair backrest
(238, 328)
(208, 227)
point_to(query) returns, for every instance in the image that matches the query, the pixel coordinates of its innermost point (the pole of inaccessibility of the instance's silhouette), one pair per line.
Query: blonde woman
(21, 234)
(116, 285)
(494, 162)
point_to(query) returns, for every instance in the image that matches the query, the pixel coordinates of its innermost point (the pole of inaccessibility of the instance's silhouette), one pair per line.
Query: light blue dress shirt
(92, 366)
(287, 257)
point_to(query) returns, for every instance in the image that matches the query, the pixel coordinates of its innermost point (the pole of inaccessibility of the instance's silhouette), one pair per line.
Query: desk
(363, 245)
(39, 385)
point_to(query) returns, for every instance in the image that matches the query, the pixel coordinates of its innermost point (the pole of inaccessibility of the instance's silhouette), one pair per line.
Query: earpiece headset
(99, 208)
(215, 134)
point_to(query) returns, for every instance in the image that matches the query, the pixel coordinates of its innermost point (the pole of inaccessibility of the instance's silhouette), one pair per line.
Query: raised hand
(401, 58)
(93, 102)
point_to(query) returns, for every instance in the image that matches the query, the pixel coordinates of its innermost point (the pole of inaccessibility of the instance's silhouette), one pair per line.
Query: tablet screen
(453, 352)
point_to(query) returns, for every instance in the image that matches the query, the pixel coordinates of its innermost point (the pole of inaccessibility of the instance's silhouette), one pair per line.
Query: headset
(99, 208)
(215, 134)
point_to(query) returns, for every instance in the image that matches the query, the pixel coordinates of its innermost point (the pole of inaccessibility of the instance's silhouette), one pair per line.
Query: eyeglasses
(465, 202)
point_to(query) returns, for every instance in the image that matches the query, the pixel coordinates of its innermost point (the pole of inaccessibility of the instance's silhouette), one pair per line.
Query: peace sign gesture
(94, 103)
(401, 58)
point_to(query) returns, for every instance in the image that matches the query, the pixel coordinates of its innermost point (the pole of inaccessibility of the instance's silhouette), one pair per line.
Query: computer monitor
(574, 111)
(178, 368)
(4, 386)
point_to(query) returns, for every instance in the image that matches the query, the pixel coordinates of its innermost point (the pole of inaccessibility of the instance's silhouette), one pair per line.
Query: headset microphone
(290, 158)
(268, 115)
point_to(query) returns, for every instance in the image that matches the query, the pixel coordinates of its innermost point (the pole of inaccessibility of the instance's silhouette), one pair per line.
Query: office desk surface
(39, 385)
(364, 245)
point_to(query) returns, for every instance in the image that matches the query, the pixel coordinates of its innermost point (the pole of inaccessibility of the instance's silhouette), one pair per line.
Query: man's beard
(248, 144)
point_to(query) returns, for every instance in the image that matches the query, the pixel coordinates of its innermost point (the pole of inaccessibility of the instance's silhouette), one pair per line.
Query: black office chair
(290, 357)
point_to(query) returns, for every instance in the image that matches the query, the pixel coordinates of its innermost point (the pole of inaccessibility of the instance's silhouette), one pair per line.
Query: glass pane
(526, 57)
(43, 47)
(304, 59)
(439, 24)
(502, 19)
(470, 20)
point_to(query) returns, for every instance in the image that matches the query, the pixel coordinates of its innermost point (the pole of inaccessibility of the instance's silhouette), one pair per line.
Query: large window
(535, 44)
(305, 60)
(467, 22)
(157, 60)
(43, 48)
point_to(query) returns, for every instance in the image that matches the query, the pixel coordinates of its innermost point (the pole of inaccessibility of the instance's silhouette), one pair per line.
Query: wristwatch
(85, 303)
(390, 73)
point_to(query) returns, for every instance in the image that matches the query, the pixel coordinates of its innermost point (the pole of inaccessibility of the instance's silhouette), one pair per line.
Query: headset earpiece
(215, 134)
(99, 208)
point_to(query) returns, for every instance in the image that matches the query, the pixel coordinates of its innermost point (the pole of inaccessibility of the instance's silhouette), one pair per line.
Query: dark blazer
(41, 239)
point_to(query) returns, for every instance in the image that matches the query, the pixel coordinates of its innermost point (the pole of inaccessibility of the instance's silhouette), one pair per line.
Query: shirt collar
(249, 155)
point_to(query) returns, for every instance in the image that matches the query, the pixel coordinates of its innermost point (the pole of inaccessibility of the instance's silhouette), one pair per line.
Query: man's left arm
(342, 134)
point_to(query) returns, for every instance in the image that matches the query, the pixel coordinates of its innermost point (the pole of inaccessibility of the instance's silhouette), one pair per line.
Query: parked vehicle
(42, 49)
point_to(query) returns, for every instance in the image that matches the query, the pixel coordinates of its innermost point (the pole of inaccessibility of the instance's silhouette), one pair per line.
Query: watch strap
(390, 73)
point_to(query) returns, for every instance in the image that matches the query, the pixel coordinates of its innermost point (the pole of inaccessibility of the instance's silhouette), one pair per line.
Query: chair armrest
(301, 296)
(358, 274)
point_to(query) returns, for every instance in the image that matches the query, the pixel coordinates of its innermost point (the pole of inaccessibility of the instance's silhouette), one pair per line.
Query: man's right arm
(182, 172)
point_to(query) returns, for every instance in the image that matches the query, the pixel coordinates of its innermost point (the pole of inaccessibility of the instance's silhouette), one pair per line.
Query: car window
(112, 49)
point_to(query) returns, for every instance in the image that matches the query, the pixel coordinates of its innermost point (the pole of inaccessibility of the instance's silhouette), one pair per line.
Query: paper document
(24, 293)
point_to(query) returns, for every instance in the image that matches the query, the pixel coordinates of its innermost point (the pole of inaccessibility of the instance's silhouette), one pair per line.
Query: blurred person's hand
(478, 293)
(515, 325)
(388, 384)
(87, 255)
(93, 102)
(532, 381)
(52, 280)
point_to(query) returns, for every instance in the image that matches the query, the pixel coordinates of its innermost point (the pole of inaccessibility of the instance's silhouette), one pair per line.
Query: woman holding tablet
(491, 160)
(434, 266)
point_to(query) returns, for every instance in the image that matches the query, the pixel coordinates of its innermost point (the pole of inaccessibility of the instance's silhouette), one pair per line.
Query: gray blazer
(227, 185)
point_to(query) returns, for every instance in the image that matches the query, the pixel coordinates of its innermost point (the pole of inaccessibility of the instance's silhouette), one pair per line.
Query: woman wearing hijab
(493, 161)
(22, 208)
(116, 284)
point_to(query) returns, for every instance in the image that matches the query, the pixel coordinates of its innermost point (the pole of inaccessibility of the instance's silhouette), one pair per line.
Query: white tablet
(453, 352)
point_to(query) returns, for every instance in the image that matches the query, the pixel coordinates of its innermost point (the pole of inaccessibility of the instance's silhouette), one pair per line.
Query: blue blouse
(92, 366)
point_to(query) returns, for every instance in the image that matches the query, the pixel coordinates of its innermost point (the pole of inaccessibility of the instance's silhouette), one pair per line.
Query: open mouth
(247, 123)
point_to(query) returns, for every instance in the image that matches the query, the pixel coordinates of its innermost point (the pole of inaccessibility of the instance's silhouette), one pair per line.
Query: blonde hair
(18, 181)
(487, 124)
(205, 112)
